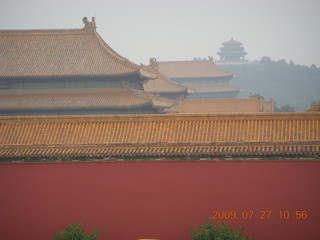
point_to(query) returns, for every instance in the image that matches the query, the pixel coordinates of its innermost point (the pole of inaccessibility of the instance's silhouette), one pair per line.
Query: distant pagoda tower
(232, 51)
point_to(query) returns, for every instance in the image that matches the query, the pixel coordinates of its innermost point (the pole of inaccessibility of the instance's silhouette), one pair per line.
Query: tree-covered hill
(286, 83)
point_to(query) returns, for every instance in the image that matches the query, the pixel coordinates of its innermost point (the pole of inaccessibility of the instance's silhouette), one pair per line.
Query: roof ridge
(116, 56)
(66, 90)
(44, 31)
(186, 61)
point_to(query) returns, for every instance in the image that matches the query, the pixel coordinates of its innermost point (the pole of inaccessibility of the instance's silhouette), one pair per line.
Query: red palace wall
(158, 199)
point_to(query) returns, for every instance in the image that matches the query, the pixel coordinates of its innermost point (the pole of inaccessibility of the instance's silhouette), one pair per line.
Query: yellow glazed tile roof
(192, 69)
(79, 99)
(65, 52)
(164, 85)
(161, 135)
(225, 105)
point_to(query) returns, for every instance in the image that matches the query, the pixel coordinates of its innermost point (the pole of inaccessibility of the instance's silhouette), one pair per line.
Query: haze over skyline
(182, 29)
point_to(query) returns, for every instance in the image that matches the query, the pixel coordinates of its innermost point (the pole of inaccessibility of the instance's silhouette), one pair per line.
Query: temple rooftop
(62, 52)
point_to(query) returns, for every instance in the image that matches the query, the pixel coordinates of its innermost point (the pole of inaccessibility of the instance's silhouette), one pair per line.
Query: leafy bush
(208, 231)
(74, 232)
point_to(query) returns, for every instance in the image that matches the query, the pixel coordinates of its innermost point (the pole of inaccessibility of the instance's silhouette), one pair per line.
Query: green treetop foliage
(286, 83)
(208, 231)
(74, 232)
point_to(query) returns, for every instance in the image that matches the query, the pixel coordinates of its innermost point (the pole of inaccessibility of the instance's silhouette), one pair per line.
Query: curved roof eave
(142, 72)
(146, 74)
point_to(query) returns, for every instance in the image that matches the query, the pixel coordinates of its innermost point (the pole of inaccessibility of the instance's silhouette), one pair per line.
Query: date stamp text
(259, 214)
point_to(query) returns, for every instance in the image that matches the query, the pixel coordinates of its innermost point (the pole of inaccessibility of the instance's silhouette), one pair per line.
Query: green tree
(74, 232)
(208, 231)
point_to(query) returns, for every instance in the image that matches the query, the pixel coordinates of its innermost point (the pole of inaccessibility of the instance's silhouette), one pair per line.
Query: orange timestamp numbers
(260, 214)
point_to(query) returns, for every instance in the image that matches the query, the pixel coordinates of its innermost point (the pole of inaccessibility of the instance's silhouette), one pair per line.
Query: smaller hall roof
(162, 84)
(192, 69)
(225, 105)
(79, 99)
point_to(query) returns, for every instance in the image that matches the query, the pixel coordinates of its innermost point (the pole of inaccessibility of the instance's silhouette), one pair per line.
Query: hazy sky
(182, 29)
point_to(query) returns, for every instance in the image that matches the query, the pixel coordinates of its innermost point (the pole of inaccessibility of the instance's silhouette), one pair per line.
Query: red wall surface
(132, 200)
